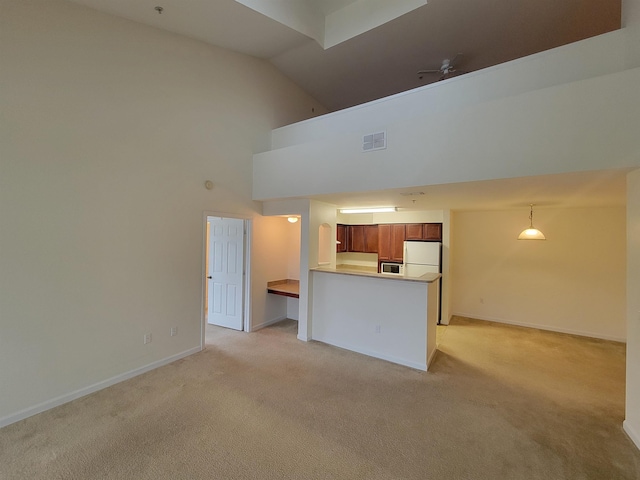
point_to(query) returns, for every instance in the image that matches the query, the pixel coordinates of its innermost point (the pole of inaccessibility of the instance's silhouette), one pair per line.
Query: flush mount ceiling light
(292, 219)
(369, 210)
(531, 233)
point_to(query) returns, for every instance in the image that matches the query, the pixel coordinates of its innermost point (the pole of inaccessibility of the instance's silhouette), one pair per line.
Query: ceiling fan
(446, 70)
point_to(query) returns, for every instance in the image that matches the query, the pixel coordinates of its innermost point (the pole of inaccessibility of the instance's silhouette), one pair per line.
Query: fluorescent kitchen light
(369, 210)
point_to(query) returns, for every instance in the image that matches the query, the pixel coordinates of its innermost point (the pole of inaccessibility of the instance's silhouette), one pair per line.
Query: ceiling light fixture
(531, 233)
(369, 210)
(292, 219)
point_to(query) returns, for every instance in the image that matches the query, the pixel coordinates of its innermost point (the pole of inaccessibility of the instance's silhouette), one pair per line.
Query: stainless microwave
(392, 268)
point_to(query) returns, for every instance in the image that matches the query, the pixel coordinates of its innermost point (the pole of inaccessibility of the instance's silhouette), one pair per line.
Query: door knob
(209, 277)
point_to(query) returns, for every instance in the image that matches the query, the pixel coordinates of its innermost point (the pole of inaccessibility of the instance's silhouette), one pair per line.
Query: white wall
(573, 282)
(109, 130)
(319, 213)
(596, 56)
(631, 24)
(361, 314)
(293, 253)
(632, 421)
(580, 126)
(424, 216)
(293, 304)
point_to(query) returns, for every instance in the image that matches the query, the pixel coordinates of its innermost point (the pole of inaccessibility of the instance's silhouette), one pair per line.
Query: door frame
(246, 295)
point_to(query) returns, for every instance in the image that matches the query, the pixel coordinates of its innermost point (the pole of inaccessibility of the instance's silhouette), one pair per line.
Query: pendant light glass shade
(531, 233)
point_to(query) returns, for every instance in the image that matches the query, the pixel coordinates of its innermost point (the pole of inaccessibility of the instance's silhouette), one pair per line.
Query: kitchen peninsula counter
(371, 272)
(391, 317)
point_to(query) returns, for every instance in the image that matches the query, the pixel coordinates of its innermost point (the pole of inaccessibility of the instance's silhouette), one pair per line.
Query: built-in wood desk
(286, 288)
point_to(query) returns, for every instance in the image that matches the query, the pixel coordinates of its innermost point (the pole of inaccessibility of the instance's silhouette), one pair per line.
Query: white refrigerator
(423, 257)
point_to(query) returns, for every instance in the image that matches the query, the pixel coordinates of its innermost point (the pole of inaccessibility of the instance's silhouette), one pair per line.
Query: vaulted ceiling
(347, 52)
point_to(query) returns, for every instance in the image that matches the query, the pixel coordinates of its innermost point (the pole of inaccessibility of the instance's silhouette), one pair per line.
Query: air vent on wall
(374, 141)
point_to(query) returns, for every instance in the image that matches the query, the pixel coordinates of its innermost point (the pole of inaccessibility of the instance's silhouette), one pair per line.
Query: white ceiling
(385, 60)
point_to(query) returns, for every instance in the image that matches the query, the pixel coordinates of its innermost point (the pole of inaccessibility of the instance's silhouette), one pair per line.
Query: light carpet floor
(499, 402)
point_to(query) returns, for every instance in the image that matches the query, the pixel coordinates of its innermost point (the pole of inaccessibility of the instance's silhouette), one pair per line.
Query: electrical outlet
(146, 338)
(378, 329)
(174, 331)
(482, 301)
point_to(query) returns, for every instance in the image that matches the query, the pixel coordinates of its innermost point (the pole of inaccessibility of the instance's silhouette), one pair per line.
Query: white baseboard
(550, 328)
(57, 401)
(633, 434)
(371, 353)
(267, 323)
(431, 357)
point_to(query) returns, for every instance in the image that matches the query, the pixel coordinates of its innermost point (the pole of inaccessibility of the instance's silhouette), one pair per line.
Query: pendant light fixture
(531, 233)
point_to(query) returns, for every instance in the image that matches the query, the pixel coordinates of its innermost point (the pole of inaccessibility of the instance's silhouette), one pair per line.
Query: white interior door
(226, 272)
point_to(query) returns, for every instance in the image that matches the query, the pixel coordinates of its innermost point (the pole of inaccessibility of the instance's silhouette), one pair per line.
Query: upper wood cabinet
(356, 238)
(384, 242)
(391, 239)
(424, 231)
(433, 231)
(362, 238)
(341, 246)
(398, 236)
(387, 240)
(415, 231)
(371, 239)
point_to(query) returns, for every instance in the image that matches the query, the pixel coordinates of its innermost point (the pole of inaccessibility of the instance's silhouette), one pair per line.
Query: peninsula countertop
(365, 272)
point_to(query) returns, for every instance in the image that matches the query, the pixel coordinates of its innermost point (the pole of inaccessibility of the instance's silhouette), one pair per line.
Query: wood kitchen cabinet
(371, 239)
(384, 242)
(362, 238)
(433, 231)
(398, 236)
(355, 238)
(424, 231)
(415, 231)
(387, 240)
(391, 239)
(342, 238)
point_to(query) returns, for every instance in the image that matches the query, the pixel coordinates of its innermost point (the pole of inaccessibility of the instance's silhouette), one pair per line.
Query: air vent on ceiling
(412, 194)
(374, 141)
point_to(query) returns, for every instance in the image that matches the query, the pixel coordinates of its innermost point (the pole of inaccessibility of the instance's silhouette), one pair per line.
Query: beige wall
(270, 261)
(423, 216)
(632, 421)
(109, 131)
(573, 282)
(293, 239)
